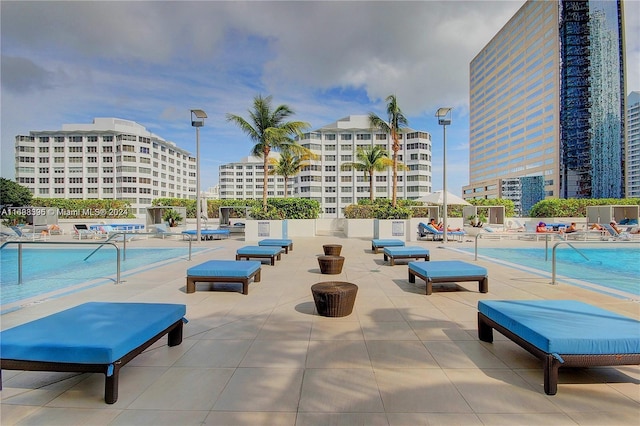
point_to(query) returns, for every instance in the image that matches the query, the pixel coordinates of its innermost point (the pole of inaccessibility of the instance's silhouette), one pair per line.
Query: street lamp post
(444, 119)
(197, 121)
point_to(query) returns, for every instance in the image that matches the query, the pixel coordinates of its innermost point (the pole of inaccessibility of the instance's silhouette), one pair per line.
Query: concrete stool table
(334, 298)
(331, 265)
(445, 271)
(332, 249)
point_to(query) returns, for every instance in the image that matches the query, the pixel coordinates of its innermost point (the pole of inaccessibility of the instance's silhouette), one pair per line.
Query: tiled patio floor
(267, 358)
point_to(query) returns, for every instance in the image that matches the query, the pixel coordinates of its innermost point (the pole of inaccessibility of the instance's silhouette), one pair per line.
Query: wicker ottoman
(332, 249)
(331, 265)
(334, 298)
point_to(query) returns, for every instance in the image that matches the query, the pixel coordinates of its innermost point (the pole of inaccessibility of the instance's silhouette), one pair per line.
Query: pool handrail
(124, 241)
(570, 244)
(101, 243)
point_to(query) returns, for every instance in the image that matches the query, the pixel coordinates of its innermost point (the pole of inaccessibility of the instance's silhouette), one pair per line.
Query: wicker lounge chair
(234, 271)
(562, 333)
(444, 271)
(91, 338)
(258, 252)
(394, 253)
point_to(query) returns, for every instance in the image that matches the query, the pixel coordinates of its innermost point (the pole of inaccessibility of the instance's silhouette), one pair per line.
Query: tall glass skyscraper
(547, 99)
(592, 99)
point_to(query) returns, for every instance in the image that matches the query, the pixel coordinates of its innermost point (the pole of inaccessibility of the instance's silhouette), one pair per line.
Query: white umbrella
(436, 198)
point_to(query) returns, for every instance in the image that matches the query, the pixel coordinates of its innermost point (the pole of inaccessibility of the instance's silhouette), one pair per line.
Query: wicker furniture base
(331, 265)
(551, 362)
(332, 249)
(334, 298)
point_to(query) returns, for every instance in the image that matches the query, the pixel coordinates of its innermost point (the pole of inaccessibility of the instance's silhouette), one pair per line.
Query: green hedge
(575, 207)
(277, 208)
(87, 209)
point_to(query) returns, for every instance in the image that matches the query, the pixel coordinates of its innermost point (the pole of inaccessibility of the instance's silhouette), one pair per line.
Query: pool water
(612, 268)
(46, 270)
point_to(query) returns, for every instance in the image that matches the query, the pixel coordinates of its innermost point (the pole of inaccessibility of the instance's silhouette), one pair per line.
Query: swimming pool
(46, 271)
(608, 268)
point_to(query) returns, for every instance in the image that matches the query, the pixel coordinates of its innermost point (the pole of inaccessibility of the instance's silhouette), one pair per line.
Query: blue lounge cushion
(406, 251)
(447, 268)
(275, 242)
(566, 326)
(387, 243)
(91, 333)
(224, 268)
(259, 250)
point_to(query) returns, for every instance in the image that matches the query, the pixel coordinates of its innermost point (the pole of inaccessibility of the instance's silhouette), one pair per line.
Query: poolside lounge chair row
(239, 270)
(428, 231)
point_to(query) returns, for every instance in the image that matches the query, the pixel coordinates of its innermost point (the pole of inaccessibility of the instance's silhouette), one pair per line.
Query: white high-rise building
(633, 145)
(110, 158)
(325, 181)
(244, 180)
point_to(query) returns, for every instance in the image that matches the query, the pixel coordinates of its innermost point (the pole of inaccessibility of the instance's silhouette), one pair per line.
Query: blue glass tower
(592, 99)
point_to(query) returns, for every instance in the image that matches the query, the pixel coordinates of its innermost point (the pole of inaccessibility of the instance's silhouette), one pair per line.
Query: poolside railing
(570, 244)
(100, 243)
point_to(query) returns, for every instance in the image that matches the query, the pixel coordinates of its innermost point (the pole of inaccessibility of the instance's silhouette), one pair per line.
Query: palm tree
(370, 159)
(394, 126)
(292, 159)
(268, 128)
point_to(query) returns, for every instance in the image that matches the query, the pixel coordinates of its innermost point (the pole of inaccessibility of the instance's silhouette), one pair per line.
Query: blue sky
(151, 62)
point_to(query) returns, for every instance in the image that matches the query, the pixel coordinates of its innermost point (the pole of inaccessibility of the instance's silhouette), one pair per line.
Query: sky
(67, 62)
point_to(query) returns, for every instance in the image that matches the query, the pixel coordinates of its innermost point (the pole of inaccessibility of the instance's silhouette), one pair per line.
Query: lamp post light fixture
(444, 119)
(197, 121)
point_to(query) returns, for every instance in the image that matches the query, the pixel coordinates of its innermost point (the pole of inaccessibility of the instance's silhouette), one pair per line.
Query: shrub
(575, 207)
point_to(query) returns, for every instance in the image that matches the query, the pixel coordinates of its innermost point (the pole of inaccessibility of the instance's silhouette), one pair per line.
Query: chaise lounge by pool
(562, 333)
(95, 337)
(213, 271)
(448, 271)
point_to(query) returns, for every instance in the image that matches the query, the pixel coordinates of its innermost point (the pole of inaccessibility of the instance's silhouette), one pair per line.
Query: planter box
(358, 228)
(299, 228)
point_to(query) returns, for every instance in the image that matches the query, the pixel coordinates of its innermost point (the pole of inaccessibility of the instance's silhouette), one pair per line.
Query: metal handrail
(570, 244)
(124, 241)
(101, 243)
(510, 234)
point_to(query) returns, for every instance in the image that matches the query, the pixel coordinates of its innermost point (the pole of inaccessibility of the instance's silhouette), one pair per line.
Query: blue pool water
(610, 268)
(45, 271)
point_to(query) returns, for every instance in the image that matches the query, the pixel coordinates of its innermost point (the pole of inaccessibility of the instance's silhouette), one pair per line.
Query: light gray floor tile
(340, 391)
(406, 390)
(261, 389)
(338, 354)
(276, 353)
(184, 388)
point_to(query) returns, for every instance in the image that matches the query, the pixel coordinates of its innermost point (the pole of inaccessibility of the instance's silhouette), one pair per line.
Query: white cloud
(152, 61)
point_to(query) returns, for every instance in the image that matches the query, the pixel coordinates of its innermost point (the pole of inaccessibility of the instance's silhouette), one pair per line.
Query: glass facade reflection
(592, 99)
